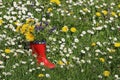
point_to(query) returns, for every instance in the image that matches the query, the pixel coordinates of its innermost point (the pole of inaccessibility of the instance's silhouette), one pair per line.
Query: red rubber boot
(40, 50)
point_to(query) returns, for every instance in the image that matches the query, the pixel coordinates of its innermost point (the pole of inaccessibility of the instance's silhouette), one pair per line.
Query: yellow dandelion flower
(73, 29)
(7, 50)
(93, 44)
(31, 29)
(29, 20)
(118, 14)
(117, 44)
(118, 5)
(104, 12)
(85, 9)
(102, 60)
(24, 28)
(113, 13)
(29, 36)
(64, 29)
(60, 62)
(1, 21)
(106, 73)
(41, 75)
(49, 9)
(98, 14)
(55, 1)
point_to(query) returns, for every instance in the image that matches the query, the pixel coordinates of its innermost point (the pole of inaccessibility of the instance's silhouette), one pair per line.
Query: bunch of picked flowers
(36, 34)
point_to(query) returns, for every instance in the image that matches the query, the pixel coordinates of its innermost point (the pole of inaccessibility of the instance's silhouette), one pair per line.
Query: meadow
(84, 45)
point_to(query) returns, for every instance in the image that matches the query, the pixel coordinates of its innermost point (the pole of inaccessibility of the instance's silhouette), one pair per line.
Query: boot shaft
(40, 48)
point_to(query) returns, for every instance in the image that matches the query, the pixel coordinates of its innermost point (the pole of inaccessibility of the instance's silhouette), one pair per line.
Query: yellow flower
(85, 10)
(98, 14)
(97, 24)
(93, 44)
(1, 21)
(118, 5)
(31, 28)
(29, 20)
(73, 29)
(102, 60)
(104, 12)
(7, 51)
(41, 75)
(55, 1)
(60, 62)
(29, 36)
(49, 9)
(113, 13)
(64, 29)
(106, 73)
(112, 50)
(118, 14)
(24, 28)
(117, 44)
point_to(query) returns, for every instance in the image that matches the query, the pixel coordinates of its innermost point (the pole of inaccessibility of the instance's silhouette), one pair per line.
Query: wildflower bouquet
(37, 34)
(35, 31)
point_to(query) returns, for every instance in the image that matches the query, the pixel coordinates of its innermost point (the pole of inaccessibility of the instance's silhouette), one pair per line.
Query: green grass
(79, 68)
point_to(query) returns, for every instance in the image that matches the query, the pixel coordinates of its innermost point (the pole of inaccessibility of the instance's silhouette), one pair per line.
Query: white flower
(99, 76)
(30, 70)
(82, 51)
(82, 70)
(62, 45)
(38, 10)
(87, 48)
(54, 39)
(76, 40)
(19, 50)
(14, 66)
(97, 51)
(115, 39)
(65, 50)
(3, 55)
(7, 57)
(67, 55)
(83, 61)
(48, 20)
(90, 31)
(99, 28)
(23, 11)
(64, 60)
(23, 62)
(110, 57)
(105, 26)
(89, 61)
(43, 69)
(38, 67)
(83, 32)
(1, 62)
(28, 2)
(116, 76)
(32, 63)
(43, 19)
(47, 75)
(20, 46)
(98, 43)
(63, 39)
